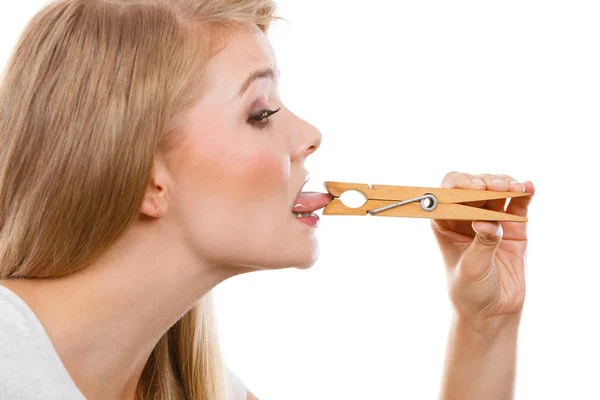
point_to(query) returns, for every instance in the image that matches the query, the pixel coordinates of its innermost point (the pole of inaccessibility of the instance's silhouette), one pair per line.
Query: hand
(485, 261)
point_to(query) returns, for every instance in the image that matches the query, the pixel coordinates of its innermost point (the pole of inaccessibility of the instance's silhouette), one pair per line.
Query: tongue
(307, 202)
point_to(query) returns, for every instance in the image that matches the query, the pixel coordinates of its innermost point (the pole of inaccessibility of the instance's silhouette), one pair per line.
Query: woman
(145, 157)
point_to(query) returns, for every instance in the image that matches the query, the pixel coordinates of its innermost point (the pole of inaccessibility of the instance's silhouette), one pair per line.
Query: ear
(155, 204)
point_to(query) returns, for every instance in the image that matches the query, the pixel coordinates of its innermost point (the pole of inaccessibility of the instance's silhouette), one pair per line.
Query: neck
(104, 321)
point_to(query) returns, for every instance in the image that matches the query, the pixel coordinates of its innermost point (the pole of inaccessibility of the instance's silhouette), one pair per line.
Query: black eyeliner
(263, 115)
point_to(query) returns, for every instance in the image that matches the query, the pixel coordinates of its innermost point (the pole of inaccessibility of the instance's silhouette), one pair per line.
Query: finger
(498, 183)
(478, 258)
(461, 180)
(513, 184)
(488, 230)
(520, 205)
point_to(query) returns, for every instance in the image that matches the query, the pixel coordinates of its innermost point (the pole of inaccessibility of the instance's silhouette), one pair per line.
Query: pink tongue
(307, 202)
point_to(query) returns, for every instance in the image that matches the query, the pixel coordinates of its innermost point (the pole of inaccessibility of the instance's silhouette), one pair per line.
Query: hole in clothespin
(353, 198)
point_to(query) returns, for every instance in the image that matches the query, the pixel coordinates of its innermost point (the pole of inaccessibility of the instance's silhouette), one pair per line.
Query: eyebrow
(267, 73)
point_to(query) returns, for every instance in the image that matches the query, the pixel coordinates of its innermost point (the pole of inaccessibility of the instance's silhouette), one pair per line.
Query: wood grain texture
(447, 208)
(397, 193)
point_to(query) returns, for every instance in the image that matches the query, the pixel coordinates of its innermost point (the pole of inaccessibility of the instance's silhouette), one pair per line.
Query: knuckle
(449, 178)
(451, 174)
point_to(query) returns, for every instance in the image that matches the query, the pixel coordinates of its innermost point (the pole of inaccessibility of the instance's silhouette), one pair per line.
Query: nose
(308, 140)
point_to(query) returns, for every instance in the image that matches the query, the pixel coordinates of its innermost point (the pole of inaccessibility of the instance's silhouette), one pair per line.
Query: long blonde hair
(93, 90)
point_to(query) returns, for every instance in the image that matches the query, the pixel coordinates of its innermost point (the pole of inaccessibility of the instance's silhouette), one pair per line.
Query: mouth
(308, 202)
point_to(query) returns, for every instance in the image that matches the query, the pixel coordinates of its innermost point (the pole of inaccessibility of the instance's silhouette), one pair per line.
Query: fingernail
(498, 181)
(478, 181)
(517, 185)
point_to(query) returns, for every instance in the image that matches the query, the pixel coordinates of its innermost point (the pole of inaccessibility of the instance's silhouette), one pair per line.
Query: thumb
(478, 258)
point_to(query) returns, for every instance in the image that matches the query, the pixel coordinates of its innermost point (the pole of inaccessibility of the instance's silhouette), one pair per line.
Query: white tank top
(30, 368)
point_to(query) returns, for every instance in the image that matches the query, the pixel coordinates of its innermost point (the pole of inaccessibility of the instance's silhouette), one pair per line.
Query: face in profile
(239, 166)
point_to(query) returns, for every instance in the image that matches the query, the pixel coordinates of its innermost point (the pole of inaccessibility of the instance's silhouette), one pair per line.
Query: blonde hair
(93, 90)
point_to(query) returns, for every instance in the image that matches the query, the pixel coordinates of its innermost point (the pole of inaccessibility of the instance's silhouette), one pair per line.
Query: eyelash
(261, 120)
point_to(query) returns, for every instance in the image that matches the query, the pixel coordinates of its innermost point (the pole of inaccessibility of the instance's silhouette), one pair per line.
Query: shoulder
(238, 388)
(30, 367)
(18, 321)
(251, 396)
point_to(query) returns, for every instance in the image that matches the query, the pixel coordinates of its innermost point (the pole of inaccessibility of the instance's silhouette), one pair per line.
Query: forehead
(246, 52)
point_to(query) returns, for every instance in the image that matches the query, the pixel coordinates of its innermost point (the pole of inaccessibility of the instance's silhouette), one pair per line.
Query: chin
(311, 258)
(298, 254)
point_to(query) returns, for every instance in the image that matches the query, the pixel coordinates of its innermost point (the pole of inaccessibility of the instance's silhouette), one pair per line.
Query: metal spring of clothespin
(428, 202)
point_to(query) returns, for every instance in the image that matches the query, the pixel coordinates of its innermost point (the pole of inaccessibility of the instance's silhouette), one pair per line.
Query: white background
(404, 92)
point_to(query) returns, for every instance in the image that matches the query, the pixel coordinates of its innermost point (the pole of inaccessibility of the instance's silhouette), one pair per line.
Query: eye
(262, 120)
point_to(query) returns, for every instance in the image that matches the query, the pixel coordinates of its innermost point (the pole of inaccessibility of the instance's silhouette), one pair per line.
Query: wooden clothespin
(419, 202)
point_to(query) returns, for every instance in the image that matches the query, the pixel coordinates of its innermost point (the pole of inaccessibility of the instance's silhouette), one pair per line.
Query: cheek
(262, 172)
(236, 201)
(238, 174)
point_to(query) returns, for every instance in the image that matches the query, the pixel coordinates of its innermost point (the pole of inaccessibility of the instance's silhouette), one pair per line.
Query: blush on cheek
(262, 173)
(227, 174)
